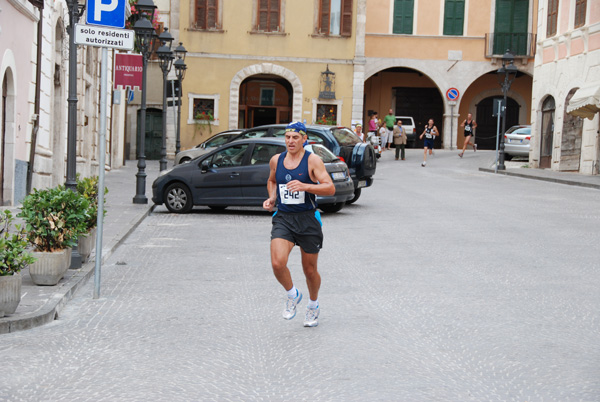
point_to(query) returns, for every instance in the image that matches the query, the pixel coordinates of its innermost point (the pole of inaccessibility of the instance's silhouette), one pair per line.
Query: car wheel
(217, 207)
(185, 159)
(178, 198)
(356, 196)
(331, 208)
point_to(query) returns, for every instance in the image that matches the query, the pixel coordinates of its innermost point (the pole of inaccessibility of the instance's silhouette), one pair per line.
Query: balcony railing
(520, 44)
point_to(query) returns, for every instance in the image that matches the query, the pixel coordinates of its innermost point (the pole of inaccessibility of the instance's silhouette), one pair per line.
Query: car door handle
(234, 174)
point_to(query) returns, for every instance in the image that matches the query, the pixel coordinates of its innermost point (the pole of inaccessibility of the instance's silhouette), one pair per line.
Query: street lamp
(165, 55)
(506, 75)
(75, 12)
(180, 68)
(144, 36)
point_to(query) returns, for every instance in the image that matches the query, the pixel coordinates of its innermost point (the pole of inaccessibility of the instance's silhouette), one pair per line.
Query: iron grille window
(335, 17)
(204, 109)
(268, 15)
(580, 6)
(206, 14)
(552, 17)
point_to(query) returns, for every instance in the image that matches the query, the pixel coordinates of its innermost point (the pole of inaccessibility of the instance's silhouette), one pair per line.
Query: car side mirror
(203, 146)
(204, 166)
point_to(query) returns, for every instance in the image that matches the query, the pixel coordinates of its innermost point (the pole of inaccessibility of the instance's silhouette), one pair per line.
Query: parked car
(517, 141)
(215, 141)
(236, 174)
(411, 132)
(343, 142)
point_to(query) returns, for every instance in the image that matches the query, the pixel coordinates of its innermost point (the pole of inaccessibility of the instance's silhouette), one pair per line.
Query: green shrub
(88, 188)
(13, 246)
(54, 218)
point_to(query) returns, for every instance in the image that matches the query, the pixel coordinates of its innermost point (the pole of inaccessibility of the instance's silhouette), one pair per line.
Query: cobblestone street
(440, 284)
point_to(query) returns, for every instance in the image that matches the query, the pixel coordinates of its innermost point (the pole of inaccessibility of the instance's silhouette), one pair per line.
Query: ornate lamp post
(144, 36)
(180, 68)
(75, 12)
(165, 55)
(506, 75)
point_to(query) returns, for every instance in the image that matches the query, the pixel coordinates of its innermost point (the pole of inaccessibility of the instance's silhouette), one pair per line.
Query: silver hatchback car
(517, 141)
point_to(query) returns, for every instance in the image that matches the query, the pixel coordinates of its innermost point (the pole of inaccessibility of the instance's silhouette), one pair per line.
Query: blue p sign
(108, 13)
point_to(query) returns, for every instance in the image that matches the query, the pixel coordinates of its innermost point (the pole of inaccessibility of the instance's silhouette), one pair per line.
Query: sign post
(452, 95)
(105, 14)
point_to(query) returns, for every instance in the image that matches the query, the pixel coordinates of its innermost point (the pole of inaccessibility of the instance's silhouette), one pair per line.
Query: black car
(236, 174)
(359, 156)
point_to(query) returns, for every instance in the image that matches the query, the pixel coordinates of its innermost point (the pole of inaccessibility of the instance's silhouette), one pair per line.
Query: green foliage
(13, 246)
(54, 218)
(88, 188)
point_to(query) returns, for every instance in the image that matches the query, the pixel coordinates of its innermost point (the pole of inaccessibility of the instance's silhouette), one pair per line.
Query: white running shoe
(311, 319)
(289, 311)
(424, 163)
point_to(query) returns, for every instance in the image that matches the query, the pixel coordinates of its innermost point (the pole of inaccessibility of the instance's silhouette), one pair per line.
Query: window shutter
(454, 17)
(274, 16)
(324, 12)
(211, 14)
(580, 6)
(403, 16)
(263, 14)
(346, 28)
(552, 17)
(201, 14)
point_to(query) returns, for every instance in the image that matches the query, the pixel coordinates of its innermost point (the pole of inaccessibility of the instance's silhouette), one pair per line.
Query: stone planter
(86, 243)
(49, 268)
(10, 293)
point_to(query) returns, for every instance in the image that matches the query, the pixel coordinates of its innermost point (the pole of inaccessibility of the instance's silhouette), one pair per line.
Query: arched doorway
(265, 99)
(547, 132)
(153, 138)
(487, 124)
(572, 131)
(408, 92)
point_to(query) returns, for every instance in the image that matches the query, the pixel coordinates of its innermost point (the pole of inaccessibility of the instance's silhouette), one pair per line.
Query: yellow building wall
(214, 59)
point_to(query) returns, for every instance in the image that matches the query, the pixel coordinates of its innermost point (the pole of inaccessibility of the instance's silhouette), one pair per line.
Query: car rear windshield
(522, 131)
(405, 121)
(324, 153)
(345, 136)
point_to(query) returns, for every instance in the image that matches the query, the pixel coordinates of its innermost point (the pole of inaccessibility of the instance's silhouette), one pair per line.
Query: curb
(66, 291)
(548, 179)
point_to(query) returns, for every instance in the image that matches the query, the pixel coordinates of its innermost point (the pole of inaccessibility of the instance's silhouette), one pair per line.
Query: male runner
(297, 176)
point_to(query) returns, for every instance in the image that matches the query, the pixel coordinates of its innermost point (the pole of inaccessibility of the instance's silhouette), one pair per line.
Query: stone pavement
(42, 304)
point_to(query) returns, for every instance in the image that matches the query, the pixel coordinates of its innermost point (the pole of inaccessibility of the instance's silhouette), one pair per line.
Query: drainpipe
(36, 115)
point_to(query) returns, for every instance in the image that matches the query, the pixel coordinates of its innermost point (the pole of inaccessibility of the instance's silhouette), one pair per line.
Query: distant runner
(297, 176)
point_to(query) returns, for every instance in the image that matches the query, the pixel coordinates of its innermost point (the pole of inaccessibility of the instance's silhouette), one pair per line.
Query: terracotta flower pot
(49, 268)
(10, 293)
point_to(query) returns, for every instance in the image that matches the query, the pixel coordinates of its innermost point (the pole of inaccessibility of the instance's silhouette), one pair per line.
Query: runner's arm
(270, 202)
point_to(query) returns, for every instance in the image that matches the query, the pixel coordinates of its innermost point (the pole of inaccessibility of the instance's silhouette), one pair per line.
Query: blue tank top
(298, 201)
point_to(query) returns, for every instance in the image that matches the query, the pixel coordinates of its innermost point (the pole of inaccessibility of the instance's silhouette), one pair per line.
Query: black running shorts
(301, 228)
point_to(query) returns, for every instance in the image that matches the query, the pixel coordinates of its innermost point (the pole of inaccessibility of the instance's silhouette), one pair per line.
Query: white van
(411, 132)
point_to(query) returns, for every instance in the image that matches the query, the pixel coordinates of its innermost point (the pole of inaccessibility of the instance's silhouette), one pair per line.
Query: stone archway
(263, 68)
(7, 133)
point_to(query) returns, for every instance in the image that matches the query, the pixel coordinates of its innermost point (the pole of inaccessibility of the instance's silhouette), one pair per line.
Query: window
(511, 27)
(228, 157)
(207, 14)
(327, 114)
(267, 96)
(552, 17)
(580, 6)
(262, 153)
(335, 17)
(203, 108)
(403, 16)
(454, 17)
(268, 16)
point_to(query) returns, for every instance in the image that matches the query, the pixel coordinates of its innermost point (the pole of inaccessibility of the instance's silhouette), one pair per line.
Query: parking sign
(108, 13)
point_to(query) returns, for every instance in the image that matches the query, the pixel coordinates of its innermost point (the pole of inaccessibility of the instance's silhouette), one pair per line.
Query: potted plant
(88, 188)
(13, 258)
(54, 219)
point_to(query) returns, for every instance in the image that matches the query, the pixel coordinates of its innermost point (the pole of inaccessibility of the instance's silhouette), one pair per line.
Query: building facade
(567, 71)
(417, 50)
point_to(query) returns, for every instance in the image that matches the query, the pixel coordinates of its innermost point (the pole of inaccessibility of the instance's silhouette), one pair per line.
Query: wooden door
(547, 133)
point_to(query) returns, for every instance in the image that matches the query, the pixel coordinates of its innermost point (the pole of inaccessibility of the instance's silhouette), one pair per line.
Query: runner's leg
(313, 279)
(280, 252)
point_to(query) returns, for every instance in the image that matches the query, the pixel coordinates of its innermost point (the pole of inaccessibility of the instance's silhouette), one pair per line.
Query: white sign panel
(104, 37)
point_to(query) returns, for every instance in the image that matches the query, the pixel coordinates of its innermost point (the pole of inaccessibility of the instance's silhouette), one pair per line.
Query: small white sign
(88, 35)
